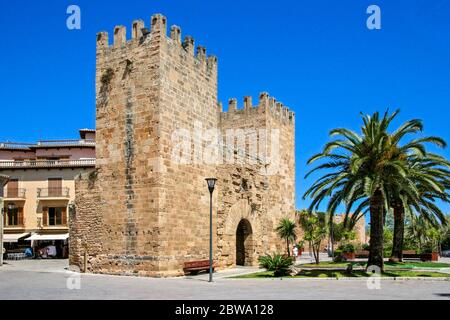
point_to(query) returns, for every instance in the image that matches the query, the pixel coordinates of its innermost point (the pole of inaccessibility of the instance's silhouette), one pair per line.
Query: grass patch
(342, 274)
(256, 275)
(330, 274)
(363, 274)
(417, 264)
(388, 265)
(331, 264)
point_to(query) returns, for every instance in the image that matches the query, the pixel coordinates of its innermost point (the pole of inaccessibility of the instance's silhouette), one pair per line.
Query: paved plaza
(49, 279)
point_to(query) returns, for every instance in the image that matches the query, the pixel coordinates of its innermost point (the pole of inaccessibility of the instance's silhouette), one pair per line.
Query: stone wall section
(258, 189)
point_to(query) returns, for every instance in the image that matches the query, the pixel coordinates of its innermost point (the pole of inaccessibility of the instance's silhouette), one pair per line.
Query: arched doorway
(244, 243)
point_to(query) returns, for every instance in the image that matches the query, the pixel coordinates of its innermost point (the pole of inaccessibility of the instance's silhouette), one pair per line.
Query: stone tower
(145, 209)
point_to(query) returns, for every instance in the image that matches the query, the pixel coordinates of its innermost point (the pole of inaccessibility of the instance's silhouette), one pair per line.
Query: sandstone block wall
(86, 225)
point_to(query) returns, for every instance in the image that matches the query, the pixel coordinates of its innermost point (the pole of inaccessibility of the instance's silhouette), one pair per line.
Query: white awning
(14, 237)
(43, 237)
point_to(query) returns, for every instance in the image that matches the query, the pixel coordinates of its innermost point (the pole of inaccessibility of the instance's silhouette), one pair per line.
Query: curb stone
(352, 279)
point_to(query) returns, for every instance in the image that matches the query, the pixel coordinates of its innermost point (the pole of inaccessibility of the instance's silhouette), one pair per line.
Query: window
(13, 217)
(55, 216)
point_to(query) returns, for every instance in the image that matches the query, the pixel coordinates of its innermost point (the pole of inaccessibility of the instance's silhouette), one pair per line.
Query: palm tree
(362, 170)
(430, 175)
(286, 230)
(431, 178)
(423, 177)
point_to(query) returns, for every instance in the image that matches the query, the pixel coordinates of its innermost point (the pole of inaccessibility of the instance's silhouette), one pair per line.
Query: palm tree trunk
(287, 246)
(399, 226)
(376, 231)
(331, 249)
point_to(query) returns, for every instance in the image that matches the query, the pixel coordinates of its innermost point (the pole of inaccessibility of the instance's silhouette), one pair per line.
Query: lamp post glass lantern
(211, 184)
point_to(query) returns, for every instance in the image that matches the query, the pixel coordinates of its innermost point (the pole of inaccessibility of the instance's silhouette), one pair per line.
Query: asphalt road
(49, 280)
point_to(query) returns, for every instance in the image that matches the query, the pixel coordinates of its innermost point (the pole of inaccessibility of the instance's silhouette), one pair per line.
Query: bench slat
(197, 265)
(194, 269)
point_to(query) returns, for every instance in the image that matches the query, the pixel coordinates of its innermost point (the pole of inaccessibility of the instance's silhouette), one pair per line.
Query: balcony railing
(15, 145)
(47, 143)
(47, 164)
(15, 193)
(65, 143)
(53, 192)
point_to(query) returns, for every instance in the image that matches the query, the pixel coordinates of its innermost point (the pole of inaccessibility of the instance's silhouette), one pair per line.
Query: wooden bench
(411, 254)
(362, 254)
(407, 254)
(195, 267)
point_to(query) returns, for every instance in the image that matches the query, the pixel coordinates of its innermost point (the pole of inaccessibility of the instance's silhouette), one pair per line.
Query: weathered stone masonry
(142, 213)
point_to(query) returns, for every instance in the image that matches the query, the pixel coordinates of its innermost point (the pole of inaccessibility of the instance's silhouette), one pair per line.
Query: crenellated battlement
(157, 33)
(266, 104)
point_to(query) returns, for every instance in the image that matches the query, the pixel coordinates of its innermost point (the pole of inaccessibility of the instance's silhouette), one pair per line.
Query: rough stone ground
(47, 279)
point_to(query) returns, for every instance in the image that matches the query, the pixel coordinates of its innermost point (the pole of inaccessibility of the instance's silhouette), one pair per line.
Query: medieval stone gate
(143, 213)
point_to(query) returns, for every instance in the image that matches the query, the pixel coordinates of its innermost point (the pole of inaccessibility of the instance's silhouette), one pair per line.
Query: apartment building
(41, 187)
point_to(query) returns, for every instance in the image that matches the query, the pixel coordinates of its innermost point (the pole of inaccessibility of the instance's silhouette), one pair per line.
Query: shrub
(446, 242)
(347, 248)
(429, 247)
(280, 265)
(338, 255)
(366, 247)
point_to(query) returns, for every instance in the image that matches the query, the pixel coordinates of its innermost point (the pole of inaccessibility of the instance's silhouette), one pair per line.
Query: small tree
(286, 231)
(342, 233)
(314, 226)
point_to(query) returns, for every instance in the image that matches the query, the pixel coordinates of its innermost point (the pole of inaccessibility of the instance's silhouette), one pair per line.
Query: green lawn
(417, 264)
(331, 264)
(341, 274)
(388, 265)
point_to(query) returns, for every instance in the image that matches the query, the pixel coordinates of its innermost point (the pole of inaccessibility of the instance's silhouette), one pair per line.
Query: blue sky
(317, 57)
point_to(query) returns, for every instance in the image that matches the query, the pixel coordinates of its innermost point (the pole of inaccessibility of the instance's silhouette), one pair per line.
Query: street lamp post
(211, 184)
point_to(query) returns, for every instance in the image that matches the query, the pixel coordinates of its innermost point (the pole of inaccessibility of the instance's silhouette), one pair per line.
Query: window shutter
(64, 216)
(20, 216)
(13, 188)
(5, 215)
(54, 187)
(45, 216)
